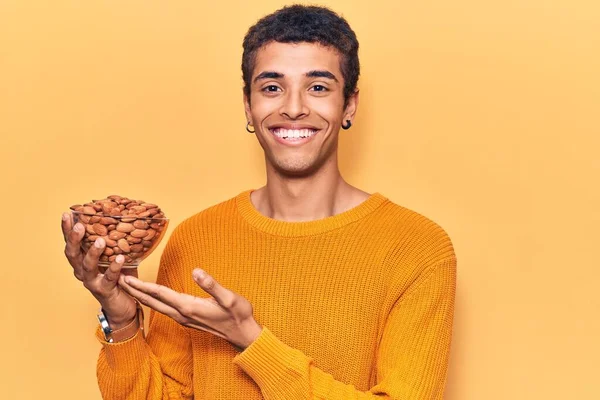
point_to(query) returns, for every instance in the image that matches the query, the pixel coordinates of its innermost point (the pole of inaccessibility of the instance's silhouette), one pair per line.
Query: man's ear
(351, 106)
(247, 108)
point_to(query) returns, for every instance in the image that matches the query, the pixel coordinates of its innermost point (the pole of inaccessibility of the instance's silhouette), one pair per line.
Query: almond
(106, 209)
(125, 227)
(150, 234)
(133, 240)
(100, 229)
(116, 235)
(108, 221)
(89, 210)
(137, 209)
(124, 245)
(139, 233)
(140, 224)
(137, 248)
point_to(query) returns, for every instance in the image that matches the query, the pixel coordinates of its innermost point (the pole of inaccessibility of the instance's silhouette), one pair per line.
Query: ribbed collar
(307, 228)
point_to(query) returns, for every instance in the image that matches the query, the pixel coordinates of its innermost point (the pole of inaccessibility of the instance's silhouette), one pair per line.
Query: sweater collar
(306, 228)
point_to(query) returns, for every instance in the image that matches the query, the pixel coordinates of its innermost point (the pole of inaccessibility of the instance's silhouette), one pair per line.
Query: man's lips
(293, 126)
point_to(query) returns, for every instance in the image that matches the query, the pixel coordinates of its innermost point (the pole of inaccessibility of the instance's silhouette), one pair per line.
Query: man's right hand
(119, 308)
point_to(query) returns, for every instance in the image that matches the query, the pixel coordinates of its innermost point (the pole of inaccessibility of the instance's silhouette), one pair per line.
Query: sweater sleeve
(157, 367)
(412, 357)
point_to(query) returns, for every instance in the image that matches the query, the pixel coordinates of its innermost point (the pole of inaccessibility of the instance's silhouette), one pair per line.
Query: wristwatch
(127, 332)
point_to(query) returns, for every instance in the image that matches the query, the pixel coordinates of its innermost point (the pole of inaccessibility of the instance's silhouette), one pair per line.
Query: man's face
(297, 105)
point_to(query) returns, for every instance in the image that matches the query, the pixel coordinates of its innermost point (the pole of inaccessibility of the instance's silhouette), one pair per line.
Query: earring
(347, 125)
(248, 128)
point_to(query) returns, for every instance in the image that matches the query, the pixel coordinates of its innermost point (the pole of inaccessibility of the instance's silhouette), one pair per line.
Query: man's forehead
(296, 58)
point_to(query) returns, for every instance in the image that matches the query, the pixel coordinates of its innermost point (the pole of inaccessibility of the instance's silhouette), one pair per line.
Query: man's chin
(294, 168)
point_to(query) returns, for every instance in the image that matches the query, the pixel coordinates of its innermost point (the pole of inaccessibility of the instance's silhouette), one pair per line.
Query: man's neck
(306, 199)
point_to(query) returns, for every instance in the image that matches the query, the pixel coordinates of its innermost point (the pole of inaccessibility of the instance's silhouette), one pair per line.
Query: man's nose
(294, 106)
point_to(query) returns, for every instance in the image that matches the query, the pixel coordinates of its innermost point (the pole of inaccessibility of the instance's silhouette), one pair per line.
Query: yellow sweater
(354, 306)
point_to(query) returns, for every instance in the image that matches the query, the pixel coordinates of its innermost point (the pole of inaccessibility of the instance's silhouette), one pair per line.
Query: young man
(309, 287)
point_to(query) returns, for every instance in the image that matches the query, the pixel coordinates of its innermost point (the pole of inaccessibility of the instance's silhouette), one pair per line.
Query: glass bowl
(133, 236)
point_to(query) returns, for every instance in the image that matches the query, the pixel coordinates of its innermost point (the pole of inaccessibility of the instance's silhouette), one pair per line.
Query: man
(308, 287)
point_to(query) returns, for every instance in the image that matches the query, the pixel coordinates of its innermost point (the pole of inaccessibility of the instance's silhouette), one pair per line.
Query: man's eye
(319, 88)
(271, 88)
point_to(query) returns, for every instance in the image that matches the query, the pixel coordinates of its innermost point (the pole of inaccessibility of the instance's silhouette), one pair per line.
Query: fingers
(111, 276)
(66, 225)
(90, 261)
(141, 293)
(225, 297)
(73, 244)
(179, 301)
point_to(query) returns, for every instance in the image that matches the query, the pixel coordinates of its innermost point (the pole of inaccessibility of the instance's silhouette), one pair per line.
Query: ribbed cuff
(275, 367)
(124, 357)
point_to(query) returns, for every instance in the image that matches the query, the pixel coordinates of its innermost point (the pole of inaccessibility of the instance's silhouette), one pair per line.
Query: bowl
(133, 236)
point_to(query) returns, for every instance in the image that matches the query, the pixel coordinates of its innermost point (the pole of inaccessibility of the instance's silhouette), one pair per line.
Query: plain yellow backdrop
(482, 115)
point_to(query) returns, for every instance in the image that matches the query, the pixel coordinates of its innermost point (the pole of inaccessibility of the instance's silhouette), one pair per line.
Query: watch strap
(127, 332)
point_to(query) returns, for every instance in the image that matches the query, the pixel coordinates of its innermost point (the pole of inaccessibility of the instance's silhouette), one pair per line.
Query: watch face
(104, 325)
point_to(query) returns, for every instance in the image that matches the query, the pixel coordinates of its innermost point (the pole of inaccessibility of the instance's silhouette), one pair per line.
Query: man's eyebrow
(310, 74)
(268, 75)
(321, 74)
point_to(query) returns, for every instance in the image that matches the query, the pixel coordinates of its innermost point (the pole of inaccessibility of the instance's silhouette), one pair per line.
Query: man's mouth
(293, 134)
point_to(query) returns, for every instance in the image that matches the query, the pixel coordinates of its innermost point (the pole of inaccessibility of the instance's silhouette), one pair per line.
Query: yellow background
(482, 115)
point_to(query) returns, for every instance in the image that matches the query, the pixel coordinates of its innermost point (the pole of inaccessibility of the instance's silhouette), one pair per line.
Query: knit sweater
(358, 305)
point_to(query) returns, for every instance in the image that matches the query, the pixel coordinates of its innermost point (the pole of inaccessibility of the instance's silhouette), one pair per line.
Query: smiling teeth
(293, 133)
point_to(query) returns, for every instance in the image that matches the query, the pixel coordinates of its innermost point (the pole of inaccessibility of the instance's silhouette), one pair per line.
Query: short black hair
(311, 24)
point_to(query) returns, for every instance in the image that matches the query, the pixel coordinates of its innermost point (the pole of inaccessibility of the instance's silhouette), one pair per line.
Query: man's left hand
(226, 314)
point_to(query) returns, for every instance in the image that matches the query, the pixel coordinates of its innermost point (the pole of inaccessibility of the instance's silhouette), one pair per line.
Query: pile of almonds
(129, 227)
